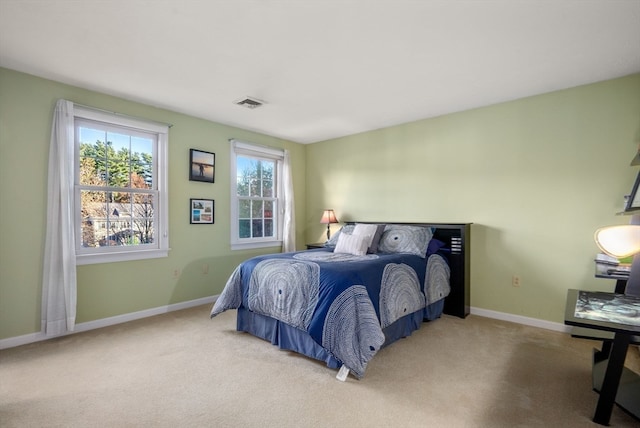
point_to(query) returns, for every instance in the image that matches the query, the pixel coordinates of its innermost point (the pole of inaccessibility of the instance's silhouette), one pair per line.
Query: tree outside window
(117, 170)
(256, 197)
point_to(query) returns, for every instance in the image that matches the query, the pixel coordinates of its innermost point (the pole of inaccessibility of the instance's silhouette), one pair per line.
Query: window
(120, 188)
(256, 201)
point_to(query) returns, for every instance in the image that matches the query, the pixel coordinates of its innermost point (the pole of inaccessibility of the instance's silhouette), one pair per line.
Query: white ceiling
(325, 68)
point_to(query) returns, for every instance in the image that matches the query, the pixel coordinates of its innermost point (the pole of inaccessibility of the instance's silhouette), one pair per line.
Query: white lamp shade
(619, 241)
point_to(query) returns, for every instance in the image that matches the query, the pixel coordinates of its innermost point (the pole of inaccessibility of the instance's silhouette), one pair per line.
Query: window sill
(252, 245)
(124, 256)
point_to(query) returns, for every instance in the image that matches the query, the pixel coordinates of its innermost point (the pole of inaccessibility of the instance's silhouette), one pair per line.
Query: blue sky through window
(134, 143)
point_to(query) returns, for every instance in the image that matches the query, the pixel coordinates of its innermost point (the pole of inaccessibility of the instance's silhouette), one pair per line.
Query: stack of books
(611, 266)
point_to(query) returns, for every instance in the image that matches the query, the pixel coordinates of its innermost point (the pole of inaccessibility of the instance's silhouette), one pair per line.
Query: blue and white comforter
(342, 301)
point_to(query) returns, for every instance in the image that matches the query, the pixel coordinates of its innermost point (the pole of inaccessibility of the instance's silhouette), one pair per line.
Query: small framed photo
(202, 166)
(201, 211)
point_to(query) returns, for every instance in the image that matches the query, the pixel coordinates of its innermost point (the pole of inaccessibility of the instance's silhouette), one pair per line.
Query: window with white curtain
(256, 196)
(121, 199)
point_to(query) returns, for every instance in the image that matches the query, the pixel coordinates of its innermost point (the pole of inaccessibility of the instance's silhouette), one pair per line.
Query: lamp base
(328, 231)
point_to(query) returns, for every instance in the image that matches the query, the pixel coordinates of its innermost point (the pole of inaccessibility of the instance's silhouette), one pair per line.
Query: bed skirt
(290, 338)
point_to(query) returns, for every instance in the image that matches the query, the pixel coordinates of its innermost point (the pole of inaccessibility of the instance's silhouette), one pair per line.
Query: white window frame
(160, 246)
(246, 149)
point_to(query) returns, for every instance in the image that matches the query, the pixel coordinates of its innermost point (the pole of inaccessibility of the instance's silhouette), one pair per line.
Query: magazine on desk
(614, 308)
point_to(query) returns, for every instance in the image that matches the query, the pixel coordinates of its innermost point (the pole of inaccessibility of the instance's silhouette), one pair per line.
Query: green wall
(535, 176)
(106, 290)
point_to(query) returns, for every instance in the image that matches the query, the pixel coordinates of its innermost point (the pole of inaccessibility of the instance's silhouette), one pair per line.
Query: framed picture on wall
(202, 166)
(201, 211)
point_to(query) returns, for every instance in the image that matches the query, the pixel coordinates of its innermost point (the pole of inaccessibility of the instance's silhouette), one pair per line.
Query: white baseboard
(105, 322)
(518, 319)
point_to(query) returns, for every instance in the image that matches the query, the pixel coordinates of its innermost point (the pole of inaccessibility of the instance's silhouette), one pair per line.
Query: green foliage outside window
(119, 215)
(256, 197)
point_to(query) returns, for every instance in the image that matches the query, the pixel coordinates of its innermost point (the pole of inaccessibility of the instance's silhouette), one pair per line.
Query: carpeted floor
(183, 369)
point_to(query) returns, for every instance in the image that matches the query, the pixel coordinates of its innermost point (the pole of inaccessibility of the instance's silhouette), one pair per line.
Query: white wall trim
(519, 319)
(105, 322)
(119, 319)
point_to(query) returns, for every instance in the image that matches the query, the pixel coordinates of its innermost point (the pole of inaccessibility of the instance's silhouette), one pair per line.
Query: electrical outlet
(205, 269)
(176, 273)
(515, 281)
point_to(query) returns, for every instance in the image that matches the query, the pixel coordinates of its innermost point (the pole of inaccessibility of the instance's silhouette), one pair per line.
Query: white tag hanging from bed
(342, 373)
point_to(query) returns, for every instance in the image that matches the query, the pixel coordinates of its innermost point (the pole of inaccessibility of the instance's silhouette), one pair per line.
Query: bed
(372, 284)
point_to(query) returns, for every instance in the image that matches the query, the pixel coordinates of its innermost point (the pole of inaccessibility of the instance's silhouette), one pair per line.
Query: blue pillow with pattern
(399, 238)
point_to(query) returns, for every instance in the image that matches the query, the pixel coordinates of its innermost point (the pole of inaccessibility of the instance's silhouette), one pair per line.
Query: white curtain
(289, 223)
(59, 270)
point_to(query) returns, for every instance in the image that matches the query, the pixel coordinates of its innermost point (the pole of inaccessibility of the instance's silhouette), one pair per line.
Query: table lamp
(328, 218)
(620, 242)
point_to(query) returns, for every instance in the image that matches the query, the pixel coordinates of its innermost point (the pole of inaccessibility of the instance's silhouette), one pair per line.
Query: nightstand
(316, 245)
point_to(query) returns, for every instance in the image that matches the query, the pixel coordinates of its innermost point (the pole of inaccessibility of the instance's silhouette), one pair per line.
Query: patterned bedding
(342, 301)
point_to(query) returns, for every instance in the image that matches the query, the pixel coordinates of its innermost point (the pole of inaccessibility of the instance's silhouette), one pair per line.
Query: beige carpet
(184, 370)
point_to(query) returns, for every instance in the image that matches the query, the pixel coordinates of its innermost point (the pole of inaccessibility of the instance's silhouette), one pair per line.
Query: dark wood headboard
(457, 237)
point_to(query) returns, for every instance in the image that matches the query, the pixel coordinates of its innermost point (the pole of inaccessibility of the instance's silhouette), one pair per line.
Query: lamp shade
(328, 217)
(619, 241)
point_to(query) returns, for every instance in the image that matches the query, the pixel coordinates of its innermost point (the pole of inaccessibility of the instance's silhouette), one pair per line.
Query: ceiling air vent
(249, 102)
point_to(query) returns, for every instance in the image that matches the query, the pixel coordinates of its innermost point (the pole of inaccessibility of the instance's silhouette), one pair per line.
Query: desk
(615, 313)
(604, 271)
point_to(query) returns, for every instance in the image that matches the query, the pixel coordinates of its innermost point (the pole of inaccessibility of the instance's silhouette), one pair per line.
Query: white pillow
(365, 230)
(352, 244)
(347, 228)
